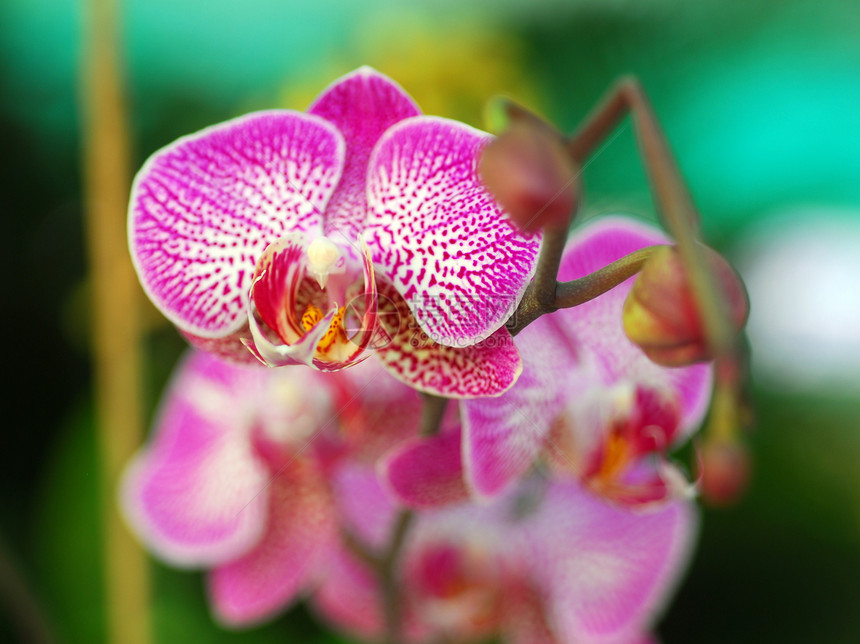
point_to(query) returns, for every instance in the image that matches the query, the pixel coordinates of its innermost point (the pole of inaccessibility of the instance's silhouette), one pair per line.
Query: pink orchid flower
(588, 399)
(358, 224)
(546, 563)
(233, 482)
(235, 478)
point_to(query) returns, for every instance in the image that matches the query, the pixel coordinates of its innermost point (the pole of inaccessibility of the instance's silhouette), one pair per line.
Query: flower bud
(661, 315)
(530, 174)
(725, 471)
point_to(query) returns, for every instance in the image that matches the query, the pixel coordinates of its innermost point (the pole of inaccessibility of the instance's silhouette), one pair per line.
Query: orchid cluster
(426, 459)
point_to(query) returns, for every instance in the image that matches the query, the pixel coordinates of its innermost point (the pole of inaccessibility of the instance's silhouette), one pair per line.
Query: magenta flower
(593, 401)
(358, 222)
(226, 484)
(545, 564)
(236, 477)
(588, 399)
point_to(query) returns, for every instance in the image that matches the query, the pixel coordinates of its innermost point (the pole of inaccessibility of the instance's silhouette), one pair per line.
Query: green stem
(388, 578)
(432, 414)
(578, 291)
(676, 209)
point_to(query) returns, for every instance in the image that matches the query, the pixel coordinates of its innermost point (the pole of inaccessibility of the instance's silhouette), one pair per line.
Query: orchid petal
(607, 571)
(484, 369)
(502, 436)
(277, 277)
(377, 411)
(232, 348)
(426, 472)
(349, 598)
(279, 355)
(204, 208)
(194, 495)
(597, 324)
(299, 536)
(524, 621)
(364, 506)
(438, 235)
(362, 105)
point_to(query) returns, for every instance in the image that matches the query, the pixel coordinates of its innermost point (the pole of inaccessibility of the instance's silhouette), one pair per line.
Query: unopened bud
(661, 315)
(725, 471)
(530, 174)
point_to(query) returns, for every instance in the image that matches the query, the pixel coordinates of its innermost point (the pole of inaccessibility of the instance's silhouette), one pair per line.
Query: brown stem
(539, 297)
(670, 190)
(116, 319)
(565, 295)
(578, 291)
(670, 194)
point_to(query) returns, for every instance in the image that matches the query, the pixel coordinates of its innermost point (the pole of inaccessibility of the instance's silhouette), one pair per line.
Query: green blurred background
(761, 102)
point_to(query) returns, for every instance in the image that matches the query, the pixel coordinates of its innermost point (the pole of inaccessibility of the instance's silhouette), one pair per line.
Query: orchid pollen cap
(660, 314)
(530, 174)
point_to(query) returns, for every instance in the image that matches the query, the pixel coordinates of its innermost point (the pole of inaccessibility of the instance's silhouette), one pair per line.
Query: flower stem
(388, 578)
(678, 213)
(432, 414)
(578, 291)
(565, 295)
(539, 297)
(384, 563)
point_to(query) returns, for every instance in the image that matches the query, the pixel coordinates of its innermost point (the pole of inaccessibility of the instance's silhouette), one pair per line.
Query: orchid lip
(293, 322)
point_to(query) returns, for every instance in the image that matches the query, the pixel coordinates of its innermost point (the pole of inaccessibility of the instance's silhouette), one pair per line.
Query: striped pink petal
(204, 208)
(597, 324)
(299, 537)
(487, 368)
(196, 495)
(362, 105)
(437, 234)
(502, 436)
(426, 472)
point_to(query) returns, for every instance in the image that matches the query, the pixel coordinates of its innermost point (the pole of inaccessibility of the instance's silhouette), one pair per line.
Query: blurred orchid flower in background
(588, 399)
(360, 212)
(546, 564)
(235, 477)
(227, 485)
